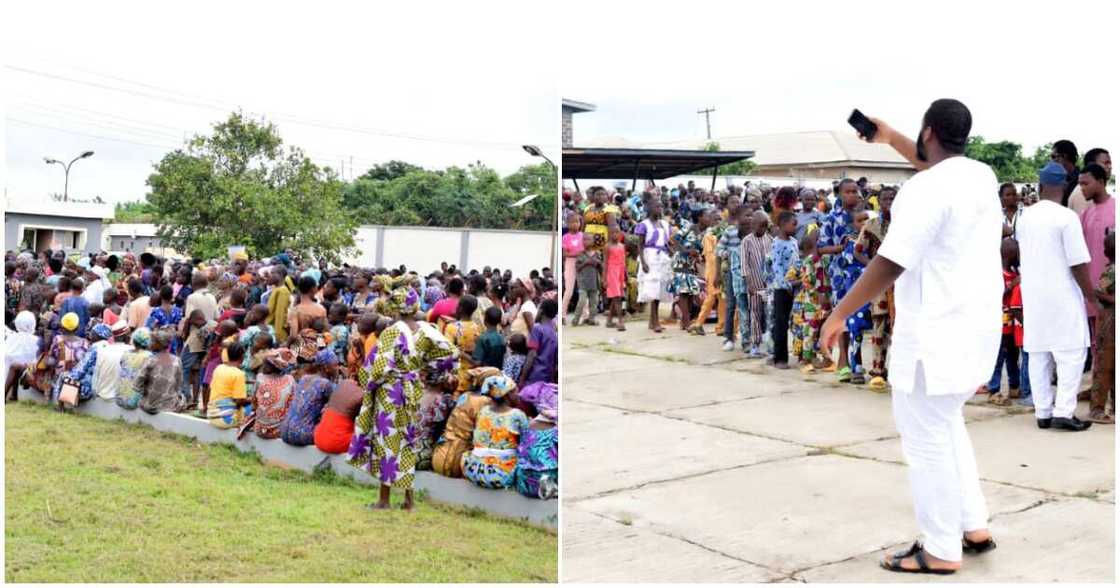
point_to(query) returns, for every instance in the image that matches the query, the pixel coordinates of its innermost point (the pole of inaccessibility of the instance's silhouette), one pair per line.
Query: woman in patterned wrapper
(386, 440)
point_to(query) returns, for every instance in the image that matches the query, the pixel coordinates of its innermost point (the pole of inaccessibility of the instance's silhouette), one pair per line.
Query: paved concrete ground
(685, 463)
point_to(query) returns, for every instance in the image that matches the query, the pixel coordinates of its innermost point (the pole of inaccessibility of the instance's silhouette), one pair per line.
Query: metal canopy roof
(647, 164)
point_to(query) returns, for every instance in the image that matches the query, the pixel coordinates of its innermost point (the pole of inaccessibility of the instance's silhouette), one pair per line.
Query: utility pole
(707, 112)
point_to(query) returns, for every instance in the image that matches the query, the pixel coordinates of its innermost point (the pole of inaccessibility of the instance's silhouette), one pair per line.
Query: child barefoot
(1104, 372)
(614, 275)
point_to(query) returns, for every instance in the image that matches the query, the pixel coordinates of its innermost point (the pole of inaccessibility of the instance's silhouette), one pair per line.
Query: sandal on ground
(697, 330)
(1013, 393)
(977, 547)
(999, 399)
(844, 375)
(1101, 417)
(621, 326)
(808, 369)
(858, 379)
(878, 384)
(919, 554)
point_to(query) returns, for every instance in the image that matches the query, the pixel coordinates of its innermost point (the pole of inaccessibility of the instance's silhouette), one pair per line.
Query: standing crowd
(453, 372)
(772, 263)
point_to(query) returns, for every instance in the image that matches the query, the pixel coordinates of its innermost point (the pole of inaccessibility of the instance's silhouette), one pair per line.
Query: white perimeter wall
(424, 248)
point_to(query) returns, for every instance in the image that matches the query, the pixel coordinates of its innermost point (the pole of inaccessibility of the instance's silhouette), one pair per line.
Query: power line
(277, 116)
(96, 136)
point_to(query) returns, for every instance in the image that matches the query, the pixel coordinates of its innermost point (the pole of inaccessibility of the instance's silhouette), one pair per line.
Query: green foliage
(238, 186)
(398, 193)
(1006, 158)
(745, 167)
(134, 212)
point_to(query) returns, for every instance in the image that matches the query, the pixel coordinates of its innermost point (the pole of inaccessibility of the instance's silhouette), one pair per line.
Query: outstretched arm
(899, 142)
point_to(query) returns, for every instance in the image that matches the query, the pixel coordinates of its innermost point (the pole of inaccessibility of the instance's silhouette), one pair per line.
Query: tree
(475, 196)
(744, 167)
(134, 212)
(238, 186)
(389, 171)
(1006, 158)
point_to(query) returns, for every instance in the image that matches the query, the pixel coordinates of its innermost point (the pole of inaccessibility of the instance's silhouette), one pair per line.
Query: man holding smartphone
(942, 254)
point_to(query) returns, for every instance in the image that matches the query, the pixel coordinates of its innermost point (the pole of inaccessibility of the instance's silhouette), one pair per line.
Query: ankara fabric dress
(386, 441)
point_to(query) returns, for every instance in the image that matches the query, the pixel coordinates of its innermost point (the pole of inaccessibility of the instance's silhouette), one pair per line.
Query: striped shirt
(753, 251)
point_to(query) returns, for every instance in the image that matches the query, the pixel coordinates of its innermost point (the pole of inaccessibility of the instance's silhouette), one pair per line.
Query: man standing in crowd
(1054, 263)
(1064, 153)
(943, 251)
(1078, 202)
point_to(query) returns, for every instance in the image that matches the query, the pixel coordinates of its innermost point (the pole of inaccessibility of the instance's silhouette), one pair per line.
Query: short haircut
(455, 287)
(135, 286)
(478, 284)
(518, 344)
(238, 296)
(1092, 154)
(235, 351)
(493, 316)
(166, 293)
(1005, 186)
(844, 182)
(549, 308)
(1066, 149)
(1096, 171)
(951, 121)
(785, 216)
(467, 305)
(307, 284)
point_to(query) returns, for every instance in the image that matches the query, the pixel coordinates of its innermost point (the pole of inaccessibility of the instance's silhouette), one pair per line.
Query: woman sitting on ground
(131, 363)
(226, 407)
(493, 461)
(21, 349)
(161, 377)
(447, 457)
(538, 457)
(66, 352)
(311, 395)
(336, 427)
(274, 388)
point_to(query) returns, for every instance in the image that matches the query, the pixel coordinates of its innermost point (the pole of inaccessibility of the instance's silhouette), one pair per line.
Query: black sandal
(918, 553)
(977, 547)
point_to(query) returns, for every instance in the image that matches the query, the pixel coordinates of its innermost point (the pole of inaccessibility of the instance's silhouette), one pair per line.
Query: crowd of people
(454, 372)
(772, 262)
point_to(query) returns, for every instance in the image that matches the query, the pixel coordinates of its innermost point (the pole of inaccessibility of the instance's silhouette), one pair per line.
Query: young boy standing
(753, 250)
(783, 254)
(490, 349)
(1104, 372)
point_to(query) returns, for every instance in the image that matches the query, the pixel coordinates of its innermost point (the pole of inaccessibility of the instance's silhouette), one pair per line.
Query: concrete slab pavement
(704, 466)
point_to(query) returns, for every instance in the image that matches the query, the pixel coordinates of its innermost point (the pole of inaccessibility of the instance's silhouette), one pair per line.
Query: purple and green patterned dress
(386, 441)
(538, 457)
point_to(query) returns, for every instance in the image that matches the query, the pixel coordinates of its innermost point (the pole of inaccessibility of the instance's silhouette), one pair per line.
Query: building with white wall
(424, 248)
(41, 224)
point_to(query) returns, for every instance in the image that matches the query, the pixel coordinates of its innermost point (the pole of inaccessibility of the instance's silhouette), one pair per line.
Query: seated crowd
(454, 372)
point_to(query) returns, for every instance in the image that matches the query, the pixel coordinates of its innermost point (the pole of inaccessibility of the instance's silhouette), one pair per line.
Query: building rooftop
(786, 149)
(47, 207)
(577, 106)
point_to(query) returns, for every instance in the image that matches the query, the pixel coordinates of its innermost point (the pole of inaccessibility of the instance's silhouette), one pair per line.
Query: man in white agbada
(1054, 264)
(942, 255)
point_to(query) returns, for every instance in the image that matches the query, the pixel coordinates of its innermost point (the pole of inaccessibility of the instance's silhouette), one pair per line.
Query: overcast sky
(469, 86)
(1029, 73)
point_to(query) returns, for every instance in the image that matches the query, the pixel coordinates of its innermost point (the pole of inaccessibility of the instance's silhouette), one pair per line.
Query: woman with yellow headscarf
(386, 439)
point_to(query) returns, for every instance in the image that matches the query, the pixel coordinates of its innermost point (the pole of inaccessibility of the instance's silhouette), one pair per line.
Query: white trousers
(943, 477)
(1070, 364)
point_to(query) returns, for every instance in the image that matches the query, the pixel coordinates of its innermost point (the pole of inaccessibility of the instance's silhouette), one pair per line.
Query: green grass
(97, 501)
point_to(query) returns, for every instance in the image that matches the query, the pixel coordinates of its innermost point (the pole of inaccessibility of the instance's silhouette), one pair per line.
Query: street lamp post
(536, 152)
(66, 166)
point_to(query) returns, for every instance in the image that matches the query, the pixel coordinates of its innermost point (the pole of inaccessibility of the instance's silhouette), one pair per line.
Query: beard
(921, 148)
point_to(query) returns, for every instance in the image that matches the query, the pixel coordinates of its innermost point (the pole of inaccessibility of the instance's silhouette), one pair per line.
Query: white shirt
(1051, 242)
(946, 227)
(94, 292)
(107, 370)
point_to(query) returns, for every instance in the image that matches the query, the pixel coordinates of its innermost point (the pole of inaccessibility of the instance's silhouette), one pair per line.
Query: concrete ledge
(507, 503)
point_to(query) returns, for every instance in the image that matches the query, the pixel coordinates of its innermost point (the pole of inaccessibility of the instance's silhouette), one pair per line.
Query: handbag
(68, 391)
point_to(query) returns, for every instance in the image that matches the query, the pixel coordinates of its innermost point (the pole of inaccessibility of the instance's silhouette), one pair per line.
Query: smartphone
(862, 124)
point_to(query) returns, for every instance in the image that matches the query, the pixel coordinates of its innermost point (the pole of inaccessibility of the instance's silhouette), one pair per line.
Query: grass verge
(89, 500)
